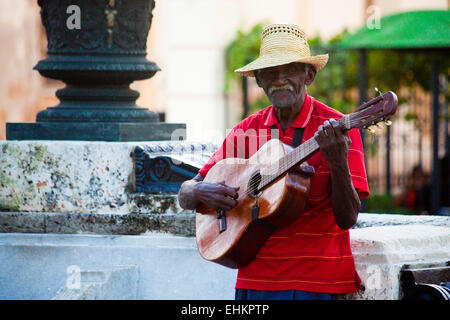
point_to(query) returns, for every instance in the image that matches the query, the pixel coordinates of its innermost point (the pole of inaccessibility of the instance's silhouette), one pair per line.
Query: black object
(436, 166)
(255, 211)
(298, 136)
(430, 283)
(162, 169)
(98, 60)
(222, 216)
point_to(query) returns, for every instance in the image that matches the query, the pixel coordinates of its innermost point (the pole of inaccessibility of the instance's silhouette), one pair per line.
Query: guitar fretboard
(296, 156)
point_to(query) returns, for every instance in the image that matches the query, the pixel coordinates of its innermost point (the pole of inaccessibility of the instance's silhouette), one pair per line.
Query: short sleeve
(356, 164)
(229, 148)
(242, 142)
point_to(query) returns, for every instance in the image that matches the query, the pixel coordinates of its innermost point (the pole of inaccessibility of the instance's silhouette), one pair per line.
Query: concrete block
(38, 266)
(115, 283)
(79, 177)
(381, 252)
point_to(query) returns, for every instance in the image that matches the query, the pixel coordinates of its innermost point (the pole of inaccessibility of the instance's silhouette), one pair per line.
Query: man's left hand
(333, 142)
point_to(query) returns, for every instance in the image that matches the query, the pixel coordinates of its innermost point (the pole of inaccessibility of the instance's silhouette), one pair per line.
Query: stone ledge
(171, 268)
(81, 176)
(142, 220)
(89, 223)
(35, 266)
(381, 252)
(383, 219)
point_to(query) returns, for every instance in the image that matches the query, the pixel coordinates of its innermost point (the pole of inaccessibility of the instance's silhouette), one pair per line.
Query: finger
(224, 184)
(347, 138)
(317, 137)
(328, 129)
(305, 167)
(226, 203)
(333, 122)
(219, 204)
(320, 128)
(335, 127)
(230, 191)
(237, 194)
(320, 131)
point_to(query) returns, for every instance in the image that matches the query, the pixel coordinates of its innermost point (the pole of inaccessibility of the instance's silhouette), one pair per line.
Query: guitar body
(280, 203)
(272, 179)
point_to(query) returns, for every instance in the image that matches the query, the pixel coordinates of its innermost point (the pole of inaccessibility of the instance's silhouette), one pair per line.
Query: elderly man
(311, 258)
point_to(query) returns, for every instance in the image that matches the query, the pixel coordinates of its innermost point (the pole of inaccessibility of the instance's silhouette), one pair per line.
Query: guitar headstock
(378, 109)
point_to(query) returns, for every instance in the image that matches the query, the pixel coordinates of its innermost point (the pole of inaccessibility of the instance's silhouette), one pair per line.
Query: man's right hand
(217, 196)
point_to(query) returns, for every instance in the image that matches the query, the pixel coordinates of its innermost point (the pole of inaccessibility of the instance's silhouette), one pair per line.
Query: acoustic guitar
(274, 189)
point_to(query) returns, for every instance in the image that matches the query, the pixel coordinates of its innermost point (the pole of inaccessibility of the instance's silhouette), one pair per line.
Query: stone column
(98, 48)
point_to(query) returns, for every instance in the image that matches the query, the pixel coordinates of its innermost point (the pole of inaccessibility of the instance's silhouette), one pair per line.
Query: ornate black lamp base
(98, 60)
(96, 131)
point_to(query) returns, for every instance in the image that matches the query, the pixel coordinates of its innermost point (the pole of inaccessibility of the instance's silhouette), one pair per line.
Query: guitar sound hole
(253, 185)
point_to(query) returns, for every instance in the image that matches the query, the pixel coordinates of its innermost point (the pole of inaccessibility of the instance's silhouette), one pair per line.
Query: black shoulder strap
(298, 136)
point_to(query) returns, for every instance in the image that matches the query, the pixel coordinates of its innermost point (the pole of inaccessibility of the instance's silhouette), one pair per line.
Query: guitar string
(286, 162)
(291, 159)
(303, 151)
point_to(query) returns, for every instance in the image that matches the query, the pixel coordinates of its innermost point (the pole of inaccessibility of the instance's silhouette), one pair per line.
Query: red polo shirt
(313, 253)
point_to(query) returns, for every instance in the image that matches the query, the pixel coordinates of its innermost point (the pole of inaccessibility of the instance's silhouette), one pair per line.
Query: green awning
(406, 30)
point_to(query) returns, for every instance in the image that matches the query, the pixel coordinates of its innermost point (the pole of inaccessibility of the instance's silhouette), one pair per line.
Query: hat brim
(268, 61)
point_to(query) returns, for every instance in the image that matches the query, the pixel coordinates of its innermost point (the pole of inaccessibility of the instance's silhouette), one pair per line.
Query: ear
(310, 74)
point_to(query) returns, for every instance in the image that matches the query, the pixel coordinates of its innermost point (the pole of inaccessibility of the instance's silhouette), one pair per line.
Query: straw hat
(283, 44)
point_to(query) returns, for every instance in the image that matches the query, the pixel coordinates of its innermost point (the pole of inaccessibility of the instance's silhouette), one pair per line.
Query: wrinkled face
(285, 85)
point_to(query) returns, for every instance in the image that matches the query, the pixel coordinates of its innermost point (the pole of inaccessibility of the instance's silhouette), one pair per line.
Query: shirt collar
(303, 116)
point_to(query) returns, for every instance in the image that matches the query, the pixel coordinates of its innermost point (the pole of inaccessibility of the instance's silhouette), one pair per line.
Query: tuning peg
(371, 129)
(379, 92)
(374, 125)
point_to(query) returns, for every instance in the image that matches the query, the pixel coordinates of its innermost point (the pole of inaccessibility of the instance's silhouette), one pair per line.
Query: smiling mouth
(280, 88)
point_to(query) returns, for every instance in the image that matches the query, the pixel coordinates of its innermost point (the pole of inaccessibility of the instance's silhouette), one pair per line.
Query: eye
(292, 69)
(269, 74)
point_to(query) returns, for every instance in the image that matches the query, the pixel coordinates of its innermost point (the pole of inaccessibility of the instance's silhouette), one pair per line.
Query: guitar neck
(368, 114)
(293, 158)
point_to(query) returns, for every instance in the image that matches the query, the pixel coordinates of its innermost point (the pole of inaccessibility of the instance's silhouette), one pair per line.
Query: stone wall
(381, 252)
(41, 266)
(88, 187)
(75, 177)
(65, 204)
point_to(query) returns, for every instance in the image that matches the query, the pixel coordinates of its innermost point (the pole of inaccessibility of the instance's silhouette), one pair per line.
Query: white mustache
(285, 87)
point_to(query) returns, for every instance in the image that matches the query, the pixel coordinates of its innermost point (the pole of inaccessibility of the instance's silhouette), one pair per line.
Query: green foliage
(390, 70)
(241, 51)
(260, 102)
(387, 69)
(333, 82)
(384, 203)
